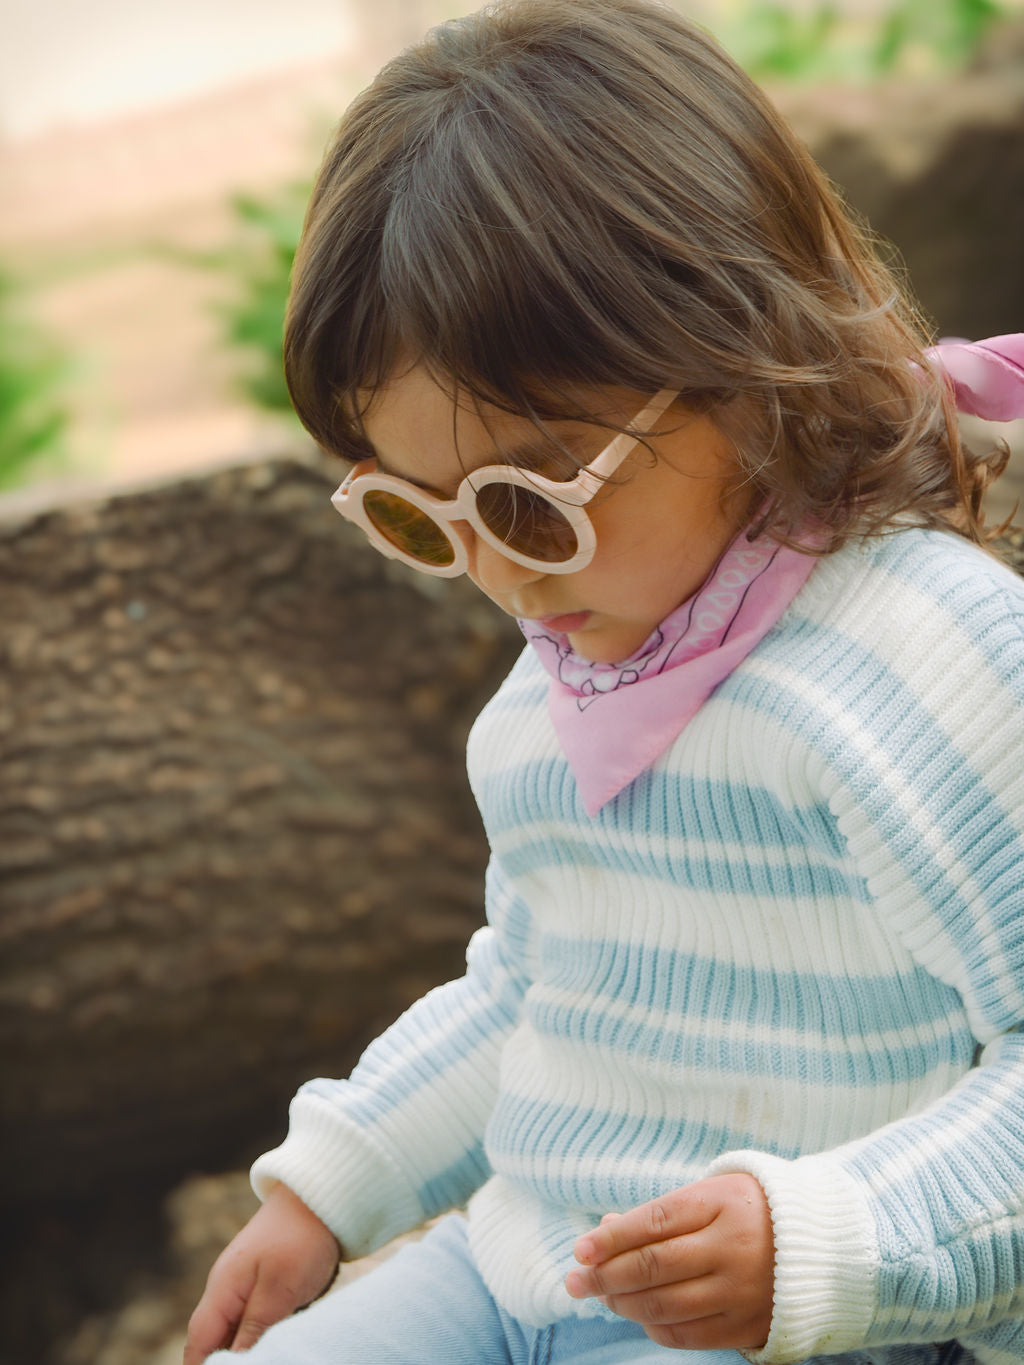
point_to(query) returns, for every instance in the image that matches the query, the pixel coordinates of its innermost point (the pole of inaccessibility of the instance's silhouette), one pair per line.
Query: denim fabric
(428, 1306)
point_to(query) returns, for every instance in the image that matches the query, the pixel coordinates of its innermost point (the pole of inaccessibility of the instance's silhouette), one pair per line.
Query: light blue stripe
(984, 604)
(391, 1071)
(965, 815)
(662, 803)
(714, 991)
(451, 1187)
(966, 1278)
(1007, 1336)
(692, 868)
(984, 1174)
(525, 1132)
(510, 916)
(665, 1049)
(930, 1260)
(770, 1061)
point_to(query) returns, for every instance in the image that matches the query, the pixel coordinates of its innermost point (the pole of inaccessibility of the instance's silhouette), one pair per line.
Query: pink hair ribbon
(987, 376)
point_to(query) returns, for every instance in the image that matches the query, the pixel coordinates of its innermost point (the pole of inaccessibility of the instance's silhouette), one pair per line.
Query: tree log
(236, 837)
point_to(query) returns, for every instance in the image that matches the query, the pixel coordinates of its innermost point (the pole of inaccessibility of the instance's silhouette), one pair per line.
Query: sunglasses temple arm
(609, 460)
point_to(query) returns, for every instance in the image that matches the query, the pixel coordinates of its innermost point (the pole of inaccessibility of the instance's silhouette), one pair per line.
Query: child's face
(661, 525)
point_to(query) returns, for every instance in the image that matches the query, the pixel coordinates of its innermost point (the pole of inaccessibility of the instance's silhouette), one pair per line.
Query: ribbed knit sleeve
(402, 1139)
(915, 1232)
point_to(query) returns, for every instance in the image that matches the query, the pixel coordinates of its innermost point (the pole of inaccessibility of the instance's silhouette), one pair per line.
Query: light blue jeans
(427, 1305)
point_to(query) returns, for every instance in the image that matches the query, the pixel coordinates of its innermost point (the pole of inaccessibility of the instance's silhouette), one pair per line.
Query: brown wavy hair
(551, 196)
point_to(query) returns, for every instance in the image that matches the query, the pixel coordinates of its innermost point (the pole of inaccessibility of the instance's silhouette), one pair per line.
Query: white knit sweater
(794, 947)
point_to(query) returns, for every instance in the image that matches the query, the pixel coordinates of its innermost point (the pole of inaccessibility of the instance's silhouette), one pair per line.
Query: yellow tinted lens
(408, 528)
(527, 522)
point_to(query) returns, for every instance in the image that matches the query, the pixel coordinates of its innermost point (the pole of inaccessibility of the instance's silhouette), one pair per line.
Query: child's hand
(694, 1268)
(283, 1258)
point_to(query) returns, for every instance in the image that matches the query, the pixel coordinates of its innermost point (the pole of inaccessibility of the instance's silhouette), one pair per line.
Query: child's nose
(492, 571)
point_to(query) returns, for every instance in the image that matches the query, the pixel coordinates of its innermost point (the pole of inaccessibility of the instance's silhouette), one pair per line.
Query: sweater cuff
(338, 1173)
(826, 1258)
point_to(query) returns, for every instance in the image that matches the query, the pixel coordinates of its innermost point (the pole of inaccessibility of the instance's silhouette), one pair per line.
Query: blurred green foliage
(256, 267)
(33, 419)
(260, 266)
(775, 41)
(772, 40)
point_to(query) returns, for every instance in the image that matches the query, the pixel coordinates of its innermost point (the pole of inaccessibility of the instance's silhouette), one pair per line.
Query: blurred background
(154, 160)
(230, 736)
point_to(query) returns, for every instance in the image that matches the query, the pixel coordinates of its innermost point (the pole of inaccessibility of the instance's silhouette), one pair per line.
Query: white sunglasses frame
(569, 498)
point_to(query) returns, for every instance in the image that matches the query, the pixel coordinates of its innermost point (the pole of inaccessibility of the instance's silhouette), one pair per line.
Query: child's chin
(599, 648)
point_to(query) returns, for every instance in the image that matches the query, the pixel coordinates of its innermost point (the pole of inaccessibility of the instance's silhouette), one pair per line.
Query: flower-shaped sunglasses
(537, 522)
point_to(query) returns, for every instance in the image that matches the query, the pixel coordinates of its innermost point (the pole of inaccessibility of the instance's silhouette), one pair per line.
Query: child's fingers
(252, 1327)
(703, 1313)
(215, 1320)
(673, 1215)
(208, 1330)
(673, 1261)
(698, 1316)
(669, 1304)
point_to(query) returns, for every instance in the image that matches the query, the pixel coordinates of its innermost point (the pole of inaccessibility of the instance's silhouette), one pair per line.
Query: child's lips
(564, 625)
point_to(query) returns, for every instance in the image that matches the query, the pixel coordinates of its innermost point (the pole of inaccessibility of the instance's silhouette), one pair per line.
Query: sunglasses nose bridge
(462, 529)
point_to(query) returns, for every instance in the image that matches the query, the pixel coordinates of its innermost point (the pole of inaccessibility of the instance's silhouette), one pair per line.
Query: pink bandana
(611, 730)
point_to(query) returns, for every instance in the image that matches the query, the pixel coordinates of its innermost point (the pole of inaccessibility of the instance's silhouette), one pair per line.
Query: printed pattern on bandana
(700, 624)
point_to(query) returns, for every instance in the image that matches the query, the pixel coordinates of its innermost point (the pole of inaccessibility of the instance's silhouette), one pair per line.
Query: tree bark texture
(236, 837)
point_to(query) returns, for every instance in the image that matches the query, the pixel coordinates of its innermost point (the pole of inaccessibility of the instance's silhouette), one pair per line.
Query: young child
(738, 1063)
